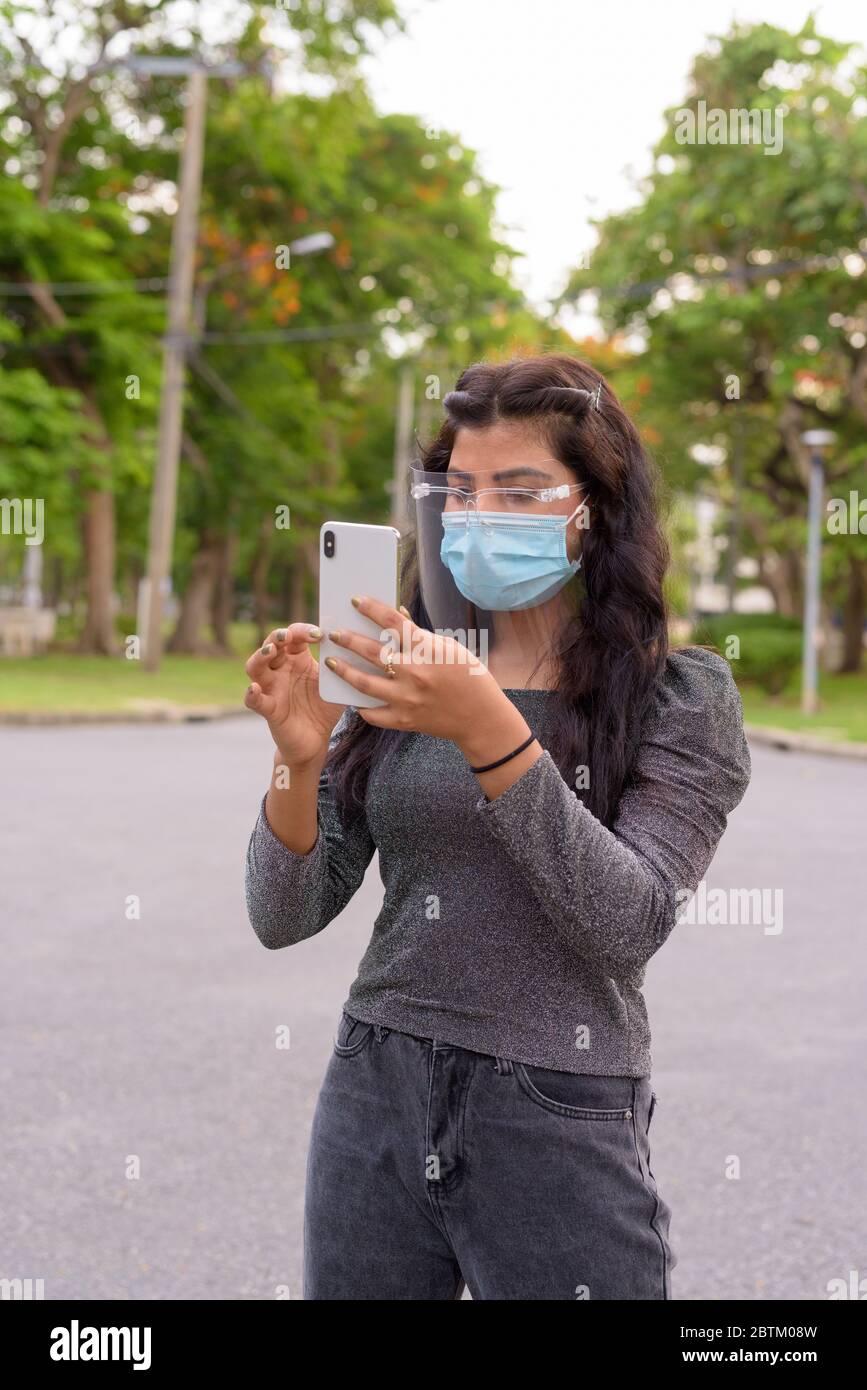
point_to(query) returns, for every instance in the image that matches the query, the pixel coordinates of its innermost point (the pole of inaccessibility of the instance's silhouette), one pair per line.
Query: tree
(417, 268)
(91, 152)
(742, 274)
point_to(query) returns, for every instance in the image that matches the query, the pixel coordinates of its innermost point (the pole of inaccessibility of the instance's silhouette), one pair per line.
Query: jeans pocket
(650, 1110)
(577, 1096)
(351, 1036)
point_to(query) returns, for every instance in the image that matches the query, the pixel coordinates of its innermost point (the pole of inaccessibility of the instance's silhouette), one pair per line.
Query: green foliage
(769, 646)
(710, 629)
(290, 395)
(742, 275)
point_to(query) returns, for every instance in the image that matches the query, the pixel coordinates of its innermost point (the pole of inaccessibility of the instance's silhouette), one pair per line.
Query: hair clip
(592, 397)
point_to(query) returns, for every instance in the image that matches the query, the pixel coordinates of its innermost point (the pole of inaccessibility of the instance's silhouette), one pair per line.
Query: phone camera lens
(329, 544)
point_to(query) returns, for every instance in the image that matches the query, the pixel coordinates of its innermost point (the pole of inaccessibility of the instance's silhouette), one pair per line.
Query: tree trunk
(197, 602)
(794, 571)
(223, 599)
(774, 575)
(134, 576)
(854, 611)
(56, 587)
(304, 566)
(98, 528)
(261, 597)
(296, 602)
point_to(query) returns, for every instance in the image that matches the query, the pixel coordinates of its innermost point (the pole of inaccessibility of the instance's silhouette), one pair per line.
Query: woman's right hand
(284, 689)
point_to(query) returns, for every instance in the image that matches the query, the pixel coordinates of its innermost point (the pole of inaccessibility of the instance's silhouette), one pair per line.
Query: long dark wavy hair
(612, 649)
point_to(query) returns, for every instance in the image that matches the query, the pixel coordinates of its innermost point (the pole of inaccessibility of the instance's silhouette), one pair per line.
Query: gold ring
(389, 663)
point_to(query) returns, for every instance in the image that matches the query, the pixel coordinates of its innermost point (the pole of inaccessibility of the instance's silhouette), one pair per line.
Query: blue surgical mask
(504, 561)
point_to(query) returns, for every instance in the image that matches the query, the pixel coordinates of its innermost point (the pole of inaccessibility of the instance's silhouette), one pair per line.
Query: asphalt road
(152, 1041)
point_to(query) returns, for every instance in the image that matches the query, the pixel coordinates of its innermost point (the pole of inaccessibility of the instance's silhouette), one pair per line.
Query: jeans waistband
(503, 1065)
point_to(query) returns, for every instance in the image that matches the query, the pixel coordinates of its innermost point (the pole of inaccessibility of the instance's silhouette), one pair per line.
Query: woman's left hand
(438, 686)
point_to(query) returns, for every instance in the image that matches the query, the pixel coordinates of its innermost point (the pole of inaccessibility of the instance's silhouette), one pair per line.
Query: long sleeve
(292, 896)
(614, 892)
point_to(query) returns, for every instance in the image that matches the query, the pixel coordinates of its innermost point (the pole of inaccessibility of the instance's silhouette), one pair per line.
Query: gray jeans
(432, 1167)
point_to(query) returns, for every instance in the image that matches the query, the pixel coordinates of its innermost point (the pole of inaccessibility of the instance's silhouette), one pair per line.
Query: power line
(221, 388)
(747, 272)
(153, 283)
(290, 335)
(301, 246)
(24, 288)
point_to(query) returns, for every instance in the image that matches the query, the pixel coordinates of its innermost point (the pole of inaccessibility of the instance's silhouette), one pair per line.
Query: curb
(161, 714)
(787, 740)
(791, 741)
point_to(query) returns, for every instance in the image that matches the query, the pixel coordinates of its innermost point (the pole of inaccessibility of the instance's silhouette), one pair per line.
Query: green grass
(842, 714)
(61, 681)
(75, 683)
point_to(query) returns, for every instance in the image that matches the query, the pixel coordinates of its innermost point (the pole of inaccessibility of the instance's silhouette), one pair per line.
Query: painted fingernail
(281, 635)
(315, 632)
(357, 601)
(406, 613)
(335, 636)
(331, 663)
(266, 649)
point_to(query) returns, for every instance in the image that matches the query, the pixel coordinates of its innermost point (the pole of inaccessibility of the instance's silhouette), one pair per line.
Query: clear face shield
(498, 563)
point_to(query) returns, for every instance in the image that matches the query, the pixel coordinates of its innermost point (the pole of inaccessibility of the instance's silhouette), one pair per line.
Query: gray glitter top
(520, 927)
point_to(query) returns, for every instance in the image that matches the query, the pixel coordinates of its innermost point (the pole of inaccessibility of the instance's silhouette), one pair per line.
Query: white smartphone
(353, 559)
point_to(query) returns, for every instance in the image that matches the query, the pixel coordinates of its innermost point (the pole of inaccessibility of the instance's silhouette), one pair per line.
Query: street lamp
(818, 442)
(309, 245)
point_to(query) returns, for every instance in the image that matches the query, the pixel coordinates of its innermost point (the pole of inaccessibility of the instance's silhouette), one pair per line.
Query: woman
(484, 1118)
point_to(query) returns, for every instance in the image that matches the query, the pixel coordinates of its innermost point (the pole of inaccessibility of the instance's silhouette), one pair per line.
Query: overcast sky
(561, 97)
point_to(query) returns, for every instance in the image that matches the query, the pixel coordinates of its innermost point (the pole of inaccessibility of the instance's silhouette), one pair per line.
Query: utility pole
(180, 327)
(733, 548)
(434, 383)
(165, 487)
(818, 442)
(402, 446)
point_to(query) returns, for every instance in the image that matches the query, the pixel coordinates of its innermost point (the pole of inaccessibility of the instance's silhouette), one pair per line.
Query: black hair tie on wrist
(489, 767)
